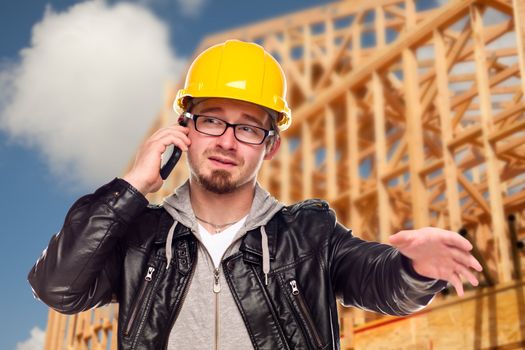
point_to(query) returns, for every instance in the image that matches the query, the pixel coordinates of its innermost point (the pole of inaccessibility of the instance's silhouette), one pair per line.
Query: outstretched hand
(439, 254)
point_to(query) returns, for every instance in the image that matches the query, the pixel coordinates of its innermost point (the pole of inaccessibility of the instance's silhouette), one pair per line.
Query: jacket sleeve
(377, 277)
(80, 268)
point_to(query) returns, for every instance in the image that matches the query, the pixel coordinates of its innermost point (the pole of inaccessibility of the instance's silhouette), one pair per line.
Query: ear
(271, 151)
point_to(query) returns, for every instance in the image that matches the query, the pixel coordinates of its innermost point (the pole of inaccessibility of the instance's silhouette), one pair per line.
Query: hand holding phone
(171, 156)
(150, 167)
(169, 159)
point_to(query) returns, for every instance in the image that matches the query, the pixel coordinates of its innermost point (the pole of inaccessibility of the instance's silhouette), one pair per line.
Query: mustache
(224, 153)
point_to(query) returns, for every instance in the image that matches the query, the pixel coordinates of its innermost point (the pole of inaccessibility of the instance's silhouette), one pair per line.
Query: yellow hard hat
(241, 71)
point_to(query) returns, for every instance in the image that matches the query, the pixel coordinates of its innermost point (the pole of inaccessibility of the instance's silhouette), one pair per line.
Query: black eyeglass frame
(194, 117)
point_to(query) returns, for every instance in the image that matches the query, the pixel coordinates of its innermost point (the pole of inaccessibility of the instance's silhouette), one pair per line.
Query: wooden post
(308, 160)
(329, 37)
(352, 140)
(445, 117)
(330, 155)
(519, 27)
(356, 41)
(384, 211)
(493, 169)
(307, 57)
(380, 27)
(51, 334)
(414, 129)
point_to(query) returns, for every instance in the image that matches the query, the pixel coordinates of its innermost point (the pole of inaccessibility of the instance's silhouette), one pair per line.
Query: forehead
(231, 108)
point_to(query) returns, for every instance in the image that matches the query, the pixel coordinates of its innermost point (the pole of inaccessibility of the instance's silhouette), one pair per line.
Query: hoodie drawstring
(265, 254)
(169, 240)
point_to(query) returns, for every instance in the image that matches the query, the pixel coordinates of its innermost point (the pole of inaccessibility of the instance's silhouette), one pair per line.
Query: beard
(219, 182)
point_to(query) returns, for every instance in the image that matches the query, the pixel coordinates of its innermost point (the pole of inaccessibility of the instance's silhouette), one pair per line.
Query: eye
(211, 121)
(248, 129)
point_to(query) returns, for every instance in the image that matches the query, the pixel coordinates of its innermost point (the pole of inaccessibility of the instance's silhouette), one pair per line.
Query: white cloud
(34, 342)
(87, 89)
(191, 8)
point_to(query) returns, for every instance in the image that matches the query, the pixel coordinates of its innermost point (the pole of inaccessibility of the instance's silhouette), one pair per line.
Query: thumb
(398, 239)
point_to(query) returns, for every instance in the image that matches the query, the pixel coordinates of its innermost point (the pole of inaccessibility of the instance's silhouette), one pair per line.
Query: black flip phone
(172, 154)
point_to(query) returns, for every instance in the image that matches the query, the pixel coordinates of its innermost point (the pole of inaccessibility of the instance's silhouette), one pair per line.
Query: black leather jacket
(110, 239)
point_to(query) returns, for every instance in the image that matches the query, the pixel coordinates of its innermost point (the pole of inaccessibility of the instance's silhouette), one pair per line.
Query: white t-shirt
(217, 243)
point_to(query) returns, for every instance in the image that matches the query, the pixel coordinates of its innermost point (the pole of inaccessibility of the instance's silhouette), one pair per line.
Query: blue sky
(62, 112)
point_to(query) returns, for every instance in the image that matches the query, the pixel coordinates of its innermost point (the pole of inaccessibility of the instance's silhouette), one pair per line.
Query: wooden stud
(384, 211)
(330, 155)
(414, 129)
(519, 27)
(353, 160)
(493, 171)
(443, 104)
(308, 162)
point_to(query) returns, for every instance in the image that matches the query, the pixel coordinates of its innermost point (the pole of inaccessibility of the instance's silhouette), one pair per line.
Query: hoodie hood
(264, 207)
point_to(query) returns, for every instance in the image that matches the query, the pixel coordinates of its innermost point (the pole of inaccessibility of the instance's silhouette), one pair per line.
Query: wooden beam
(331, 153)
(445, 15)
(507, 131)
(353, 158)
(414, 128)
(349, 37)
(473, 192)
(307, 57)
(519, 27)
(493, 171)
(381, 158)
(444, 109)
(308, 161)
(503, 6)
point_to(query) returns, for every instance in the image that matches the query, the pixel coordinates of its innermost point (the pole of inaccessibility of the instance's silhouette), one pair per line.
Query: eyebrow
(245, 115)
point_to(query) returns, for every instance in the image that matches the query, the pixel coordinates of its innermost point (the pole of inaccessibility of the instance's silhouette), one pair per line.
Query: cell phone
(171, 156)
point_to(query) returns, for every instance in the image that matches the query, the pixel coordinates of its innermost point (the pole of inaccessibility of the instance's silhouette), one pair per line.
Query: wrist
(412, 269)
(138, 185)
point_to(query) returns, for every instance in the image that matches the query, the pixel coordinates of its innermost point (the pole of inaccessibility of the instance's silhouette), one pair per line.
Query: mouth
(222, 161)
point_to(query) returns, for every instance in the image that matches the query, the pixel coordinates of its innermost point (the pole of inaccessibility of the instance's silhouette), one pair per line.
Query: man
(221, 264)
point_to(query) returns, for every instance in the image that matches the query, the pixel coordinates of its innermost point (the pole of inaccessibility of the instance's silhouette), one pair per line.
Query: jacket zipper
(298, 297)
(138, 301)
(148, 302)
(216, 290)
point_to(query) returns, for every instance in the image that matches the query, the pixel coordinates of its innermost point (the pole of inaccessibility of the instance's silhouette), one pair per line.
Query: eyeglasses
(214, 126)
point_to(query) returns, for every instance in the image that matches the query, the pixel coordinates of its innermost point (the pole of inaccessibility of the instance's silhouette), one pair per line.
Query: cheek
(256, 158)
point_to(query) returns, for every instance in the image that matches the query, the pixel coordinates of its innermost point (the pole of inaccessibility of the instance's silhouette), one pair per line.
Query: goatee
(218, 182)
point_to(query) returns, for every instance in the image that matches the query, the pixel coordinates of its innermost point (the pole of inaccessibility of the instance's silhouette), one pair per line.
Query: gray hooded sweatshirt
(209, 317)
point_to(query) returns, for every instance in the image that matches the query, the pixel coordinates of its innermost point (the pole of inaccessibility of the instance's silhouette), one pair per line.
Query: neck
(211, 206)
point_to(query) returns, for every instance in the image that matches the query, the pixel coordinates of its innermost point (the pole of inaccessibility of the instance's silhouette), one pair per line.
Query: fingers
(170, 129)
(180, 140)
(457, 273)
(465, 259)
(455, 240)
(455, 280)
(177, 135)
(467, 274)
(461, 265)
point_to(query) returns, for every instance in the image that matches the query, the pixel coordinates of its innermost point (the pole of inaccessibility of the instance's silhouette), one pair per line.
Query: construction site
(404, 116)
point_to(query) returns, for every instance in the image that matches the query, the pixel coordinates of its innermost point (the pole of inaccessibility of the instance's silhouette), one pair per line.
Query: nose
(227, 140)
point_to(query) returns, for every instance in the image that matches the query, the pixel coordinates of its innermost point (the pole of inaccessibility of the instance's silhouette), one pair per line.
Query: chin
(219, 181)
